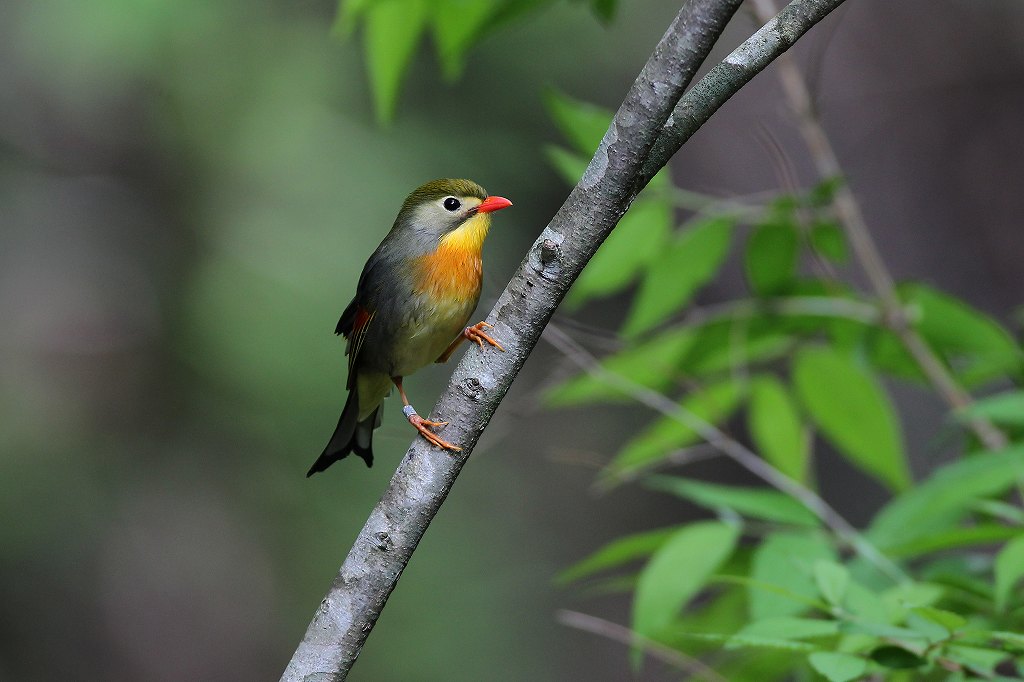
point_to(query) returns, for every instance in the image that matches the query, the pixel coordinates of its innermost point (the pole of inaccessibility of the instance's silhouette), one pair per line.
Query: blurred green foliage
(808, 358)
(392, 31)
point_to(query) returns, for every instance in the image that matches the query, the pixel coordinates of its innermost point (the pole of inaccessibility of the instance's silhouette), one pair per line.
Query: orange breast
(451, 273)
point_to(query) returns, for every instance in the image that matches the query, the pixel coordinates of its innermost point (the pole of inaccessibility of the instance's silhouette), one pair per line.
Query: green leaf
(926, 627)
(889, 355)
(838, 667)
(897, 658)
(569, 165)
(998, 509)
(678, 571)
(824, 192)
(759, 503)
(976, 346)
(782, 209)
(1009, 568)
(724, 345)
(950, 622)
(738, 641)
(898, 601)
(979, 659)
(828, 239)
(880, 629)
(1015, 639)
(639, 237)
(864, 603)
(937, 503)
(712, 404)
(771, 258)
(457, 25)
(760, 586)
(724, 613)
(511, 10)
(1004, 409)
(604, 9)
(786, 560)
(392, 34)
(832, 580)
(968, 536)
(678, 272)
(766, 642)
(788, 627)
(911, 595)
(959, 574)
(349, 12)
(776, 428)
(853, 411)
(763, 664)
(616, 553)
(583, 124)
(651, 364)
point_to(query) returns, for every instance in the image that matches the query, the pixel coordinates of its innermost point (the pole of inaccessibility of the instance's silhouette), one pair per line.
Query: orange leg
(475, 334)
(421, 424)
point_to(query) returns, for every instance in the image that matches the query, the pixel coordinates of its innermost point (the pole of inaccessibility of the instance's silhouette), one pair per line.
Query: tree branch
(639, 141)
(618, 633)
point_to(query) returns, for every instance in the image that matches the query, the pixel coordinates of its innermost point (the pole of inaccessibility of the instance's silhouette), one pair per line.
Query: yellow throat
(455, 269)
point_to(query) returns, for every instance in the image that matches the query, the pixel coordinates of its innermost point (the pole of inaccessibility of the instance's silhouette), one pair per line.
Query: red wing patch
(360, 324)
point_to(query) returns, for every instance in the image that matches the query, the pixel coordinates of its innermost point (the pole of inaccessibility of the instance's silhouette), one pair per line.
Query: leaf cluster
(394, 30)
(804, 360)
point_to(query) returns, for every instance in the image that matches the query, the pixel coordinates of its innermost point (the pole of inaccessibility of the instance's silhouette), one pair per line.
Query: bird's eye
(451, 204)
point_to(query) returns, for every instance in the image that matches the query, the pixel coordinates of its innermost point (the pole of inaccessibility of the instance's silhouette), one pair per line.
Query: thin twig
(681, 457)
(729, 446)
(623, 635)
(743, 207)
(848, 211)
(811, 306)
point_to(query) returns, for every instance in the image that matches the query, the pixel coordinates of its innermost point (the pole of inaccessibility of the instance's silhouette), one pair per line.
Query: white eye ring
(451, 204)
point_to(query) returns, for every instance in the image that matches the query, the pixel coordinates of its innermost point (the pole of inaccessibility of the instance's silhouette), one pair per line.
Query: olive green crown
(445, 187)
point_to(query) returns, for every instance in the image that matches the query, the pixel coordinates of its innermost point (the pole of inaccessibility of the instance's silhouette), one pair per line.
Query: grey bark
(640, 140)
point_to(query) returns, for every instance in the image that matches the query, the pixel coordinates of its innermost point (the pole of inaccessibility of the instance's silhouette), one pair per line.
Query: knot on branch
(548, 262)
(472, 388)
(383, 541)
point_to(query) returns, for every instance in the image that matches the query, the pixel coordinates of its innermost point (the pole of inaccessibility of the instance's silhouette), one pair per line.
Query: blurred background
(188, 191)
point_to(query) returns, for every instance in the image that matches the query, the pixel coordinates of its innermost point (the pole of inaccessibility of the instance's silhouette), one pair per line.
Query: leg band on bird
(421, 424)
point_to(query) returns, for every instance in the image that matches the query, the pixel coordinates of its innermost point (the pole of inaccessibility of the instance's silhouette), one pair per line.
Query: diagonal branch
(621, 167)
(618, 633)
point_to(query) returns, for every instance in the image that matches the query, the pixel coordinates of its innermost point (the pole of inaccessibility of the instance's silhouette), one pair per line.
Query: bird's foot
(476, 334)
(421, 424)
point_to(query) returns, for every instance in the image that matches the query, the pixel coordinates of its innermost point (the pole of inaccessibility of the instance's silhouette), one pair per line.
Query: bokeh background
(188, 190)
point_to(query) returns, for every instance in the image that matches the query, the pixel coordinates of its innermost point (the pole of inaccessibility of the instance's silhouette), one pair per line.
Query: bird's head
(453, 212)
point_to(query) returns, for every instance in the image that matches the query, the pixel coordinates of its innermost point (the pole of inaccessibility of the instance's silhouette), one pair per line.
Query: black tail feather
(349, 436)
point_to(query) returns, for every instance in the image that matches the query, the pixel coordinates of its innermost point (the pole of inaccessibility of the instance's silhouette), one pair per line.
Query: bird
(412, 305)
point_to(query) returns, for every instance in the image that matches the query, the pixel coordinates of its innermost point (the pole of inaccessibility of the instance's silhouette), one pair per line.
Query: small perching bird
(413, 301)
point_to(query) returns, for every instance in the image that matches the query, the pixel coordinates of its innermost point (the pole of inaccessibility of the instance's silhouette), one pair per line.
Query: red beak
(493, 204)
